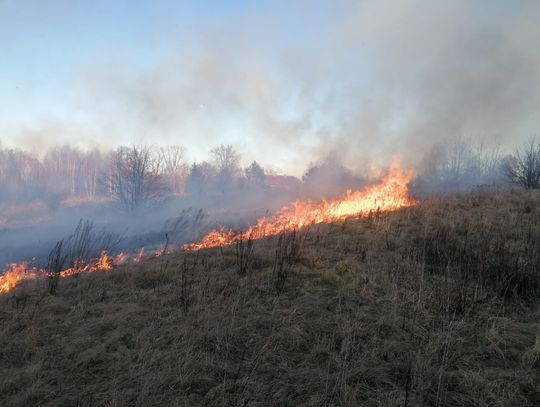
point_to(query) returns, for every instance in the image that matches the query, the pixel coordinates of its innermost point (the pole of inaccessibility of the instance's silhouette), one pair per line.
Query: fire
(15, 273)
(18, 272)
(104, 262)
(120, 258)
(388, 195)
(138, 258)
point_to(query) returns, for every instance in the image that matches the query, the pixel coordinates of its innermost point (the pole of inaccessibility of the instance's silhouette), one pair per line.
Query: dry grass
(435, 305)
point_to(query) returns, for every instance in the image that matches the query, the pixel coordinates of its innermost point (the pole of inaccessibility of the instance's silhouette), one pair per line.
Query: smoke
(365, 81)
(139, 195)
(201, 97)
(444, 70)
(449, 87)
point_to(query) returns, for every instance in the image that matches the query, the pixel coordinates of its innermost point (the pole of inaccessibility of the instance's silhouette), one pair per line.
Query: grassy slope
(421, 306)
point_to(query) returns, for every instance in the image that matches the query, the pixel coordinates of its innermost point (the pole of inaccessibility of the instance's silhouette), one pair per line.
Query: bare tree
(174, 167)
(523, 168)
(60, 173)
(459, 164)
(64, 164)
(227, 163)
(91, 166)
(225, 158)
(134, 177)
(19, 174)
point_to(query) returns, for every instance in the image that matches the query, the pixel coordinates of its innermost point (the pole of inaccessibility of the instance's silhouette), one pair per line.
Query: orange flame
(15, 273)
(104, 262)
(120, 258)
(388, 195)
(138, 258)
(18, 272)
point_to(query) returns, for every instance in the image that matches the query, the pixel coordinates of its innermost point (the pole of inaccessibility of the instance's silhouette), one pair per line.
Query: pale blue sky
(284, 81)
(45, 42)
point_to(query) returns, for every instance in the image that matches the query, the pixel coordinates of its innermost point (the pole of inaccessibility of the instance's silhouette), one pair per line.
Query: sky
(285, 82)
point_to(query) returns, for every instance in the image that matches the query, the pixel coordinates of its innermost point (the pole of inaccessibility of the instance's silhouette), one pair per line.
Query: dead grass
(435, 305)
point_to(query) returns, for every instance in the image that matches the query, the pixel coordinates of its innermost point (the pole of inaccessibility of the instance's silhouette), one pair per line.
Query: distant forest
(136, 175)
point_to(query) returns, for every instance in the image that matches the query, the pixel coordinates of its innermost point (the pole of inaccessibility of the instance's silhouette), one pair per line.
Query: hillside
(433, 305)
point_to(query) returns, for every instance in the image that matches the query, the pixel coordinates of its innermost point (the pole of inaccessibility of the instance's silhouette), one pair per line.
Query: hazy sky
(286, 82)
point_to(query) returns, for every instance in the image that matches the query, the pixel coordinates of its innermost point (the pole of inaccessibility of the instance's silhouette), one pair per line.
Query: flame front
(104, 262)
(16, 273)
(388, 195)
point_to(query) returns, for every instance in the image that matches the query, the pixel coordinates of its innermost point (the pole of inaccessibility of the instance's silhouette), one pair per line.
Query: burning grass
(17, 273)
(390, 194)
(434, 304)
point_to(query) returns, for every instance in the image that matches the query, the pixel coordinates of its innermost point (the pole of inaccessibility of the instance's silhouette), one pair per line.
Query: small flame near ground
(16, 273)
(388, 195)
(391, 193)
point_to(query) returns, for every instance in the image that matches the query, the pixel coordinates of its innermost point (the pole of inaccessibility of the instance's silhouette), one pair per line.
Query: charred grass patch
(435, 305)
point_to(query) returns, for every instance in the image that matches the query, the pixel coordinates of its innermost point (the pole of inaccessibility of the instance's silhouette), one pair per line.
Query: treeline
(129, 175)
(134, 176)
(64, 172)
(60, 173)
(461, 164)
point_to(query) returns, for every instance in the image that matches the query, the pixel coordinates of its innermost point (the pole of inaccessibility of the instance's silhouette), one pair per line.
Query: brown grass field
(433, 305)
